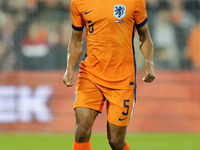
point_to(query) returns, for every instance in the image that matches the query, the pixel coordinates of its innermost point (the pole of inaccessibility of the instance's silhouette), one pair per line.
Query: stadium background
(34, 36)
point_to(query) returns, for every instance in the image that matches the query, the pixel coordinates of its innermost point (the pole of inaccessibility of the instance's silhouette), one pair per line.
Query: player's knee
(116, 144)
(82, 134)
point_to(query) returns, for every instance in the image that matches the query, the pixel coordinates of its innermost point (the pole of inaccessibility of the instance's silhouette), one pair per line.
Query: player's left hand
(148, 74)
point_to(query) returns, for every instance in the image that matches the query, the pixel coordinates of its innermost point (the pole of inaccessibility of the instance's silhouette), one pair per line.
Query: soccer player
(108, 71)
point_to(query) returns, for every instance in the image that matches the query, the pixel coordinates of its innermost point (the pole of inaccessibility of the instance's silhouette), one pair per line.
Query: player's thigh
(120, 105)
(88, 95)
(116, 132)
(84, 121)
(85, 117)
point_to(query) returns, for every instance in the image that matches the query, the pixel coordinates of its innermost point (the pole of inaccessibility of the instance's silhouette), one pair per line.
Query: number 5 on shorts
(126, 106)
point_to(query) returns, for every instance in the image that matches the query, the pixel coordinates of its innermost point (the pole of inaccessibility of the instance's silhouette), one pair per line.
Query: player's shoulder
(139, 1)
(76, 1)
(140, 4)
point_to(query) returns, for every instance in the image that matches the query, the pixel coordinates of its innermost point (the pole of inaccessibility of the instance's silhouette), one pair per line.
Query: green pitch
(137, 141)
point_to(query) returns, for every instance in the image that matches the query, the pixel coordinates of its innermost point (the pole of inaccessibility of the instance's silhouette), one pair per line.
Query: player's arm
(74, 52)
(147, 49)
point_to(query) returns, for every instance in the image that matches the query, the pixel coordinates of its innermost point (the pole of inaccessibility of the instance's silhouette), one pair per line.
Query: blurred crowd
(175, 28)
(34, 34)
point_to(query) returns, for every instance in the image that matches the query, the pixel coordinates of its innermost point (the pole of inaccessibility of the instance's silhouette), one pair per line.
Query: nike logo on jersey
(88, 12)
(120, 119)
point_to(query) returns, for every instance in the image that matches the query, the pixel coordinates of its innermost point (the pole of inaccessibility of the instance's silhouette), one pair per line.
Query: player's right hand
(68, 78)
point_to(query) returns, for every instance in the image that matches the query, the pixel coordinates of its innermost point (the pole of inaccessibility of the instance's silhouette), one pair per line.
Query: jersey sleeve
(140, 13)
(77, 19)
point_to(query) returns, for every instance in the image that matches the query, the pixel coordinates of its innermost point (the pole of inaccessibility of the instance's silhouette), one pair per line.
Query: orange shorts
(120, 102)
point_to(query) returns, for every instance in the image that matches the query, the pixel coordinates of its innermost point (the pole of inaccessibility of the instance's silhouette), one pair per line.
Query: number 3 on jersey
(91, 27)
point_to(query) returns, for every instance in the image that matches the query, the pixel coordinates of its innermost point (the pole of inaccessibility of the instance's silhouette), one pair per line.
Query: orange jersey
(194, 46)
(110, 27)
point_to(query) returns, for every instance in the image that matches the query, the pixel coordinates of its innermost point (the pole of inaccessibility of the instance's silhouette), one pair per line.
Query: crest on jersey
(119, 11)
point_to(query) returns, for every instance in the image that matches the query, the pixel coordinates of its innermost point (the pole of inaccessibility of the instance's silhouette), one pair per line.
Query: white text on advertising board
(23, 104)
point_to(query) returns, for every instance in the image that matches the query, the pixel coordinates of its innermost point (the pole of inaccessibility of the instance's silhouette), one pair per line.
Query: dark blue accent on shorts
(120, 119)
(85, 57)
(77, 28)
(134, 62)
(75, 97)
(142, 24)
